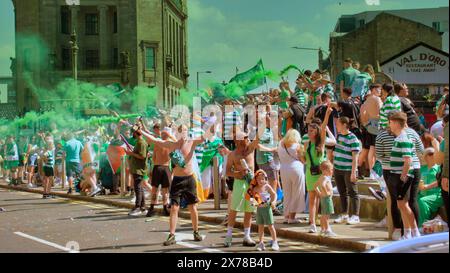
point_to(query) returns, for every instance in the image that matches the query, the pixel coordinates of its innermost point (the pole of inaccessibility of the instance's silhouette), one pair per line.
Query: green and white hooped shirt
(50, 159)
(391, 104)
(402, 148)
(346, 145)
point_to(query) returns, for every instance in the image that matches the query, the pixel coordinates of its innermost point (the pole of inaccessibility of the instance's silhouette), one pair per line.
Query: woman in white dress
(292, 176)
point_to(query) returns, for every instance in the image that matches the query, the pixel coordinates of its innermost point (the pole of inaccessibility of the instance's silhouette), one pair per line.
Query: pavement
(31, 224)
(357, 238)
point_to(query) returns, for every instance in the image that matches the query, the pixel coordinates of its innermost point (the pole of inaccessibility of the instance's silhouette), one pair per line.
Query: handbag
(314, 169)
(290, 153)
(373, 126)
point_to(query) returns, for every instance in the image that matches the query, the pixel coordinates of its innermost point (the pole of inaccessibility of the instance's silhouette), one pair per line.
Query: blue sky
(225, 34)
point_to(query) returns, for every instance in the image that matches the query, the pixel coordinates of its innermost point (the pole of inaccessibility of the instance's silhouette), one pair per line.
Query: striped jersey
(391, 104)
(385, 141)
(403, 148)
(302, 97)
(59, 153)
(231, 119)
(50, 159)
(346, 145)
(329, 89)
(316, 94)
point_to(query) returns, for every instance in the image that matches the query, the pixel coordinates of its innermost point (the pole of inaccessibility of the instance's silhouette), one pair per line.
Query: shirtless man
(161, 173)
(244, 150)
(370, 116)
(183, 183)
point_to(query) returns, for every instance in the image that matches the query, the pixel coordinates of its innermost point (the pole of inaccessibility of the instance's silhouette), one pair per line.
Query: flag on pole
(244, 77)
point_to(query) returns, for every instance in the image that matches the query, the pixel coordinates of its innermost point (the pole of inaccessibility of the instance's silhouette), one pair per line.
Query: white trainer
(396, 235)
(261, 247)
(382, 223)
(275, 246)
(354, 220)
(342, 219)
(312, 229)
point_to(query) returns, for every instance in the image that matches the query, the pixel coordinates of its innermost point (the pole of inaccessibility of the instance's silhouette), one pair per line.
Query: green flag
(249, 79)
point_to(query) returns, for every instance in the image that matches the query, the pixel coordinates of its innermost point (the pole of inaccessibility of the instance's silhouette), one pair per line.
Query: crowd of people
(289, 155)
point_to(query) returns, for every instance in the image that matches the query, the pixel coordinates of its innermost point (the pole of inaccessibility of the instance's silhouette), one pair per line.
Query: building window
(346, 24)
(115, 58)
(65, 21)
(437, 26)
(66, 59)
(115, 22)
(149, 58)
(92, 59)
(361, 22)
(92, 24)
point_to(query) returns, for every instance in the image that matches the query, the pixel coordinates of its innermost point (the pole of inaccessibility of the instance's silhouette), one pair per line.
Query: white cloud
(220, 43)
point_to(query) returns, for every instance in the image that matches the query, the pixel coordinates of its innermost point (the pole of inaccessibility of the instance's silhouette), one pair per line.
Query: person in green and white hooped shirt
(402, 175)
(391, 103)
(11, 153)
(345, 162)
(49, 163)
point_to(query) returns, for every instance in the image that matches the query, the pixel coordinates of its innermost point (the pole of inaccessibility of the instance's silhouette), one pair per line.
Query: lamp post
(198, 78)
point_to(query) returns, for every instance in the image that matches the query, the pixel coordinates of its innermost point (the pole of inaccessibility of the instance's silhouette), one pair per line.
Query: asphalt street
(31, 224)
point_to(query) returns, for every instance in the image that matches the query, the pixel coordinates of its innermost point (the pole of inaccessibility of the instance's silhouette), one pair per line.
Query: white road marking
(46, 242)
(180, 237)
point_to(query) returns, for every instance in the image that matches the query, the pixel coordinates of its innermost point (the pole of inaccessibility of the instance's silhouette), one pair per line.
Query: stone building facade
(379, 40)
(131, 42)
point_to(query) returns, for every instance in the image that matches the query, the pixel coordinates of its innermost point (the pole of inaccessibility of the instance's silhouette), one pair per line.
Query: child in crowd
(48, 165)
(264, 197)
(324, 189)
(58, 163)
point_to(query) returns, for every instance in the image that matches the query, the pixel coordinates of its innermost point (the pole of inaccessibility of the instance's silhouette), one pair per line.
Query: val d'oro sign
(431, 58)
(421, 64)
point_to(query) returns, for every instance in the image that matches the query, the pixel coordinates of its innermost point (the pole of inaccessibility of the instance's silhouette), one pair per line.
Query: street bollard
(123, 175)
(389, 222)
(63, 173)
(216, 179)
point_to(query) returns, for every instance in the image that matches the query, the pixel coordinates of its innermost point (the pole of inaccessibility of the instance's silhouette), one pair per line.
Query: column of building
(103, 36)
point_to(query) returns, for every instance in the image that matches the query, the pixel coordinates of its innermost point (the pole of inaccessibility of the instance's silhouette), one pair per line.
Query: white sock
(407, 233)
(247, 232)
(415, 233)
(230, 232)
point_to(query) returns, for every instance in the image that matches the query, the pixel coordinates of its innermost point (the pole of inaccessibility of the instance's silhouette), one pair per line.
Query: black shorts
(48, 171)
(73, 169)
(230, 182)
(399, 189)
(161, 176)
(21, 158)
(183, 187)
(368, 139)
